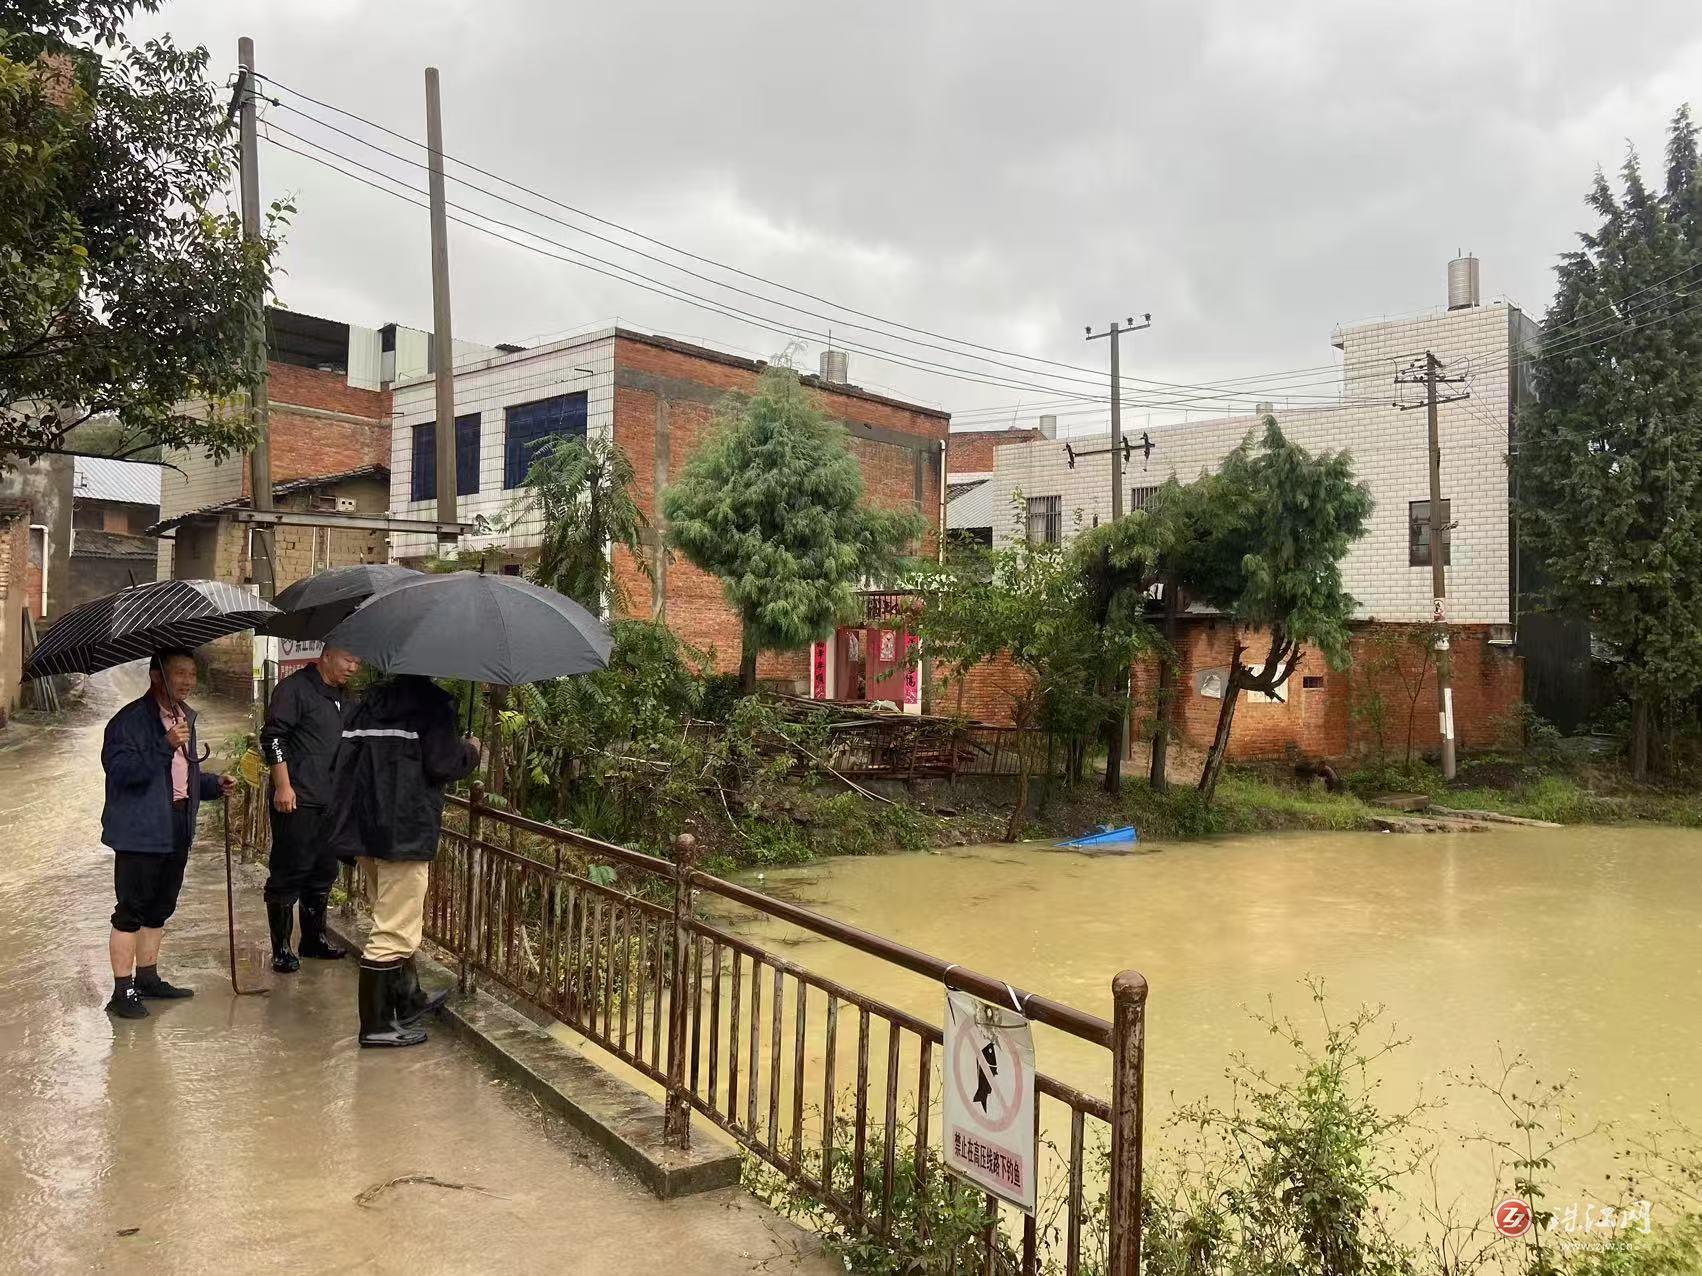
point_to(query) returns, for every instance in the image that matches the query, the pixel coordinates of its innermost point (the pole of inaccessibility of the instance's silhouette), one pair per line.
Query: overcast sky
(1250, 173)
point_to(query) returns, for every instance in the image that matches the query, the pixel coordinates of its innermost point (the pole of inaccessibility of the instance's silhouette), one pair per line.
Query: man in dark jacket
(400, 748)
(299, 741)
(154, 788)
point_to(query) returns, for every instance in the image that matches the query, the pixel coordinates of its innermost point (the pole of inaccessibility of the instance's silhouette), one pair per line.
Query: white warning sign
(988, 1131)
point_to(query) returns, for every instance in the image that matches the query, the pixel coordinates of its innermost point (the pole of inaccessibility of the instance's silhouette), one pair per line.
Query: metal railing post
(676, 1120)
(475, 800)
(1128, 1057)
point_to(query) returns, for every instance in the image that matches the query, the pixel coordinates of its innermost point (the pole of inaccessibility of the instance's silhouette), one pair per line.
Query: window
(1139, 496)
(424, 482)
(1045, 520)
(1418, 534)
(532, 425)
(1312, 682)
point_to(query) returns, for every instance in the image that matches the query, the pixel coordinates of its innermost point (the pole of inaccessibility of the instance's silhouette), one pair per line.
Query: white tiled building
(1388, 571)
(567, 386)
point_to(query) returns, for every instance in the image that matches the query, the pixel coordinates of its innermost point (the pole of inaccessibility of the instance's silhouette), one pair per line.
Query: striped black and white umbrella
(135, 623)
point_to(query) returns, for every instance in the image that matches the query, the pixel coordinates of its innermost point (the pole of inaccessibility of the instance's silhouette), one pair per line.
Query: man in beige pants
(400, 749)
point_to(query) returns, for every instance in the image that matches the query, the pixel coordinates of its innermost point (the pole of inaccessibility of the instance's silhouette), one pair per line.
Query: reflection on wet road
(228, 1134)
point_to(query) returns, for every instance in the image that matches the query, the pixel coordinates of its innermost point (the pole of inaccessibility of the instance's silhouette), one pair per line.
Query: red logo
(1513, 1217)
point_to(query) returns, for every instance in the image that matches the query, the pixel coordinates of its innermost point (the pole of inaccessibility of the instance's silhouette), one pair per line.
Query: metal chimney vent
(1049, 427)
(836, 367)
(1463, 290)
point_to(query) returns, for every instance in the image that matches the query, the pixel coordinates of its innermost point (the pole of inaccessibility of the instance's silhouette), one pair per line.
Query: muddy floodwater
(1580, 948)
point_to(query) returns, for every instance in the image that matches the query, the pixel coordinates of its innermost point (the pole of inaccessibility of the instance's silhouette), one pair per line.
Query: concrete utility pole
(1114, 332)
(443, 343)
(264, 568)
(1428, 372)
(1114, 756)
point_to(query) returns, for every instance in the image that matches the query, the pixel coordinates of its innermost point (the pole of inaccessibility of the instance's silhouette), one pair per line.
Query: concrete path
(251, 1134)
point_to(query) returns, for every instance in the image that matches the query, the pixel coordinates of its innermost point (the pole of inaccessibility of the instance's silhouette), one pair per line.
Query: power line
(674, 292)
(1289, 392)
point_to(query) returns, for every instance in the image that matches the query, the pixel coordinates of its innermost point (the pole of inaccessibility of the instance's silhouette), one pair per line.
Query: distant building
(969, 507)
(329, 433)
(1388, 571)
(657, 397)
(113, 503)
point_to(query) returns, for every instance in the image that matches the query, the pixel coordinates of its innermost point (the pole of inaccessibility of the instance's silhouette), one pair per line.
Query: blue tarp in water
(1107, 836)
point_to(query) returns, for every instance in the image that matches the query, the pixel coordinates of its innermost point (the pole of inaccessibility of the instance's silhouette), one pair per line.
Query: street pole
(1120, 747)
(1428, 373)
(263, 567)
(443, 343)
(1439, 574)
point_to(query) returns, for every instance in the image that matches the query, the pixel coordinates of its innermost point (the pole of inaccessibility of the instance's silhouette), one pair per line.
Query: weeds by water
(1308, 1171)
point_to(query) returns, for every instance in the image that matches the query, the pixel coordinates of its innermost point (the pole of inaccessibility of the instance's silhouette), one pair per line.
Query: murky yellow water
(1580, 948)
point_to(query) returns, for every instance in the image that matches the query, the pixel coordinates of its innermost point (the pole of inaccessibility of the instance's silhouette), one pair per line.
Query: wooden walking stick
(230, 911)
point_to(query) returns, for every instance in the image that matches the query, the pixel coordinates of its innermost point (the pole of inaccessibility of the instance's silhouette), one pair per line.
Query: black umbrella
(137, 622)
(497, 629)
(314, 607)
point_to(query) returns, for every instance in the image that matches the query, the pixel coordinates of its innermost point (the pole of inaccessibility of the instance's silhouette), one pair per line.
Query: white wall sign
(988, 1132)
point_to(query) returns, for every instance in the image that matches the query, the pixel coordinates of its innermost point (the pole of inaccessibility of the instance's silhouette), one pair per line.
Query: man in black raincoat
(299, 742)
(400, 748)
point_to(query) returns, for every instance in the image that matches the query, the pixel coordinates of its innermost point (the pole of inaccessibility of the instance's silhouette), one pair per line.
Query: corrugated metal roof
(973, 509)
(132, 482)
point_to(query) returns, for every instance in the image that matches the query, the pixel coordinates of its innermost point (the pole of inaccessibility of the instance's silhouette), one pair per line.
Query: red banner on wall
(818, 671)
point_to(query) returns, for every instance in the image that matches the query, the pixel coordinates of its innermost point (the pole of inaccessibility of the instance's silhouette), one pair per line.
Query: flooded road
(1579, 947)
(227, 1134)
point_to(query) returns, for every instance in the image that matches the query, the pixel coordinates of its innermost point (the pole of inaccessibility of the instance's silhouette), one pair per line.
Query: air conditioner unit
(345, 505)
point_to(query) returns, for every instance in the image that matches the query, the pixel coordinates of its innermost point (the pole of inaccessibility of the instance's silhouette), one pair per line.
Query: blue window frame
(532, 425)
(466, 458)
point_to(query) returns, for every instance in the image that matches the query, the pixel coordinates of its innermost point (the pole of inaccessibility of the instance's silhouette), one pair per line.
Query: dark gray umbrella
(314, 607)
(137, 622)
(497, 629)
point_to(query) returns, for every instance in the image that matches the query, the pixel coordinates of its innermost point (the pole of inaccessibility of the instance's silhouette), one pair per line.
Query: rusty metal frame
(604, 960)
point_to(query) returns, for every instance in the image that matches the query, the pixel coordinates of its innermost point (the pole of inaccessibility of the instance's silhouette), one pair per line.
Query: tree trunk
(1013, 830)
(1166, 692)
(1220, 743)
(747, 664)
(1114, 734)
(1640, 738)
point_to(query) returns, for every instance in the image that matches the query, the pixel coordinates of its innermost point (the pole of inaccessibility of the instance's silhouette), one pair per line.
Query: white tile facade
(583, 364)
(1388, 447)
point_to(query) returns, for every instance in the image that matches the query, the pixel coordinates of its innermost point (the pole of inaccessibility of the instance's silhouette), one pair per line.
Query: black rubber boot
(414, 1002)
(280, 916)
(313, 941)
(379, 988)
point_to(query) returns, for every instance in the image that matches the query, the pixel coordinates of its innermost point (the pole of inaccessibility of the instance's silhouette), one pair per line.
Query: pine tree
(774, 505)
(1609, 457)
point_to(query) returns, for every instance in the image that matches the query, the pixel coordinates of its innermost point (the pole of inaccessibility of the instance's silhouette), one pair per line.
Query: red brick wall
(1318, 722)
(696, 606)
(303, 445)
(1314, 721)
(972, 452)
(988, 691)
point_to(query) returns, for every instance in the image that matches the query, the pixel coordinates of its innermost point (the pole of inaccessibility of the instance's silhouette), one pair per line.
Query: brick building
(113, 503)
(14, 558)
(657, 397)
(330, 454)
(969, 457)
(1388, 572)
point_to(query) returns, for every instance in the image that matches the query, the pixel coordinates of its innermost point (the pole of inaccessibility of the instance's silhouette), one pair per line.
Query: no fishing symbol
(988, 1131)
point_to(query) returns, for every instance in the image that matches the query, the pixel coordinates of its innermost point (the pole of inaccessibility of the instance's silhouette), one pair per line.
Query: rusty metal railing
(806, 1073)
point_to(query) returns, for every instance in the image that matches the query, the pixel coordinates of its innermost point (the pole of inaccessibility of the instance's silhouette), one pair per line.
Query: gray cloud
(1252, 174)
